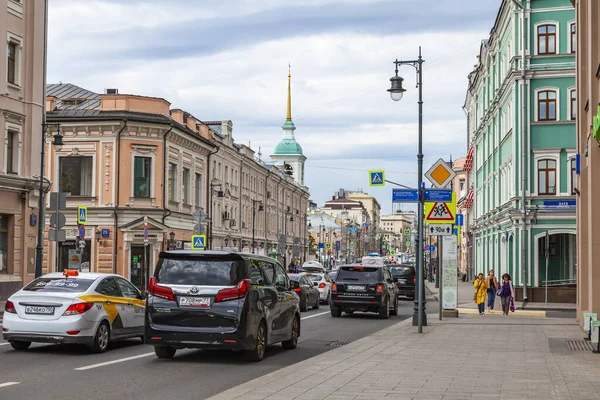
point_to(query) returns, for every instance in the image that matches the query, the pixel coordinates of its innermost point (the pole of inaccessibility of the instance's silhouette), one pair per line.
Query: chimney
(51, 103)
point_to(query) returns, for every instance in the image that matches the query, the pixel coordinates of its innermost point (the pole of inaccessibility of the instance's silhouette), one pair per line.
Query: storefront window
(70, 258)
(3, 243)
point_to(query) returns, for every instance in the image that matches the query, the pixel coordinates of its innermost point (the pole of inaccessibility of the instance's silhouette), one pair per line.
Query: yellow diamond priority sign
(440, 174)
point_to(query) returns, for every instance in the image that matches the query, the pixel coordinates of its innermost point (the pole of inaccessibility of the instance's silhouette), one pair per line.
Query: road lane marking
(120, 360)
(5, 384)
(4, 344)
(316, 315)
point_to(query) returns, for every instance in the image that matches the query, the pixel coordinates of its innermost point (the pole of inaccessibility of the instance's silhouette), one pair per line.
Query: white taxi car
(73, 307)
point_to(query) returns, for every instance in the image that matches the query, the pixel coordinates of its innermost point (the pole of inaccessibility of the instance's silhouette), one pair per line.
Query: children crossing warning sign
(440, 212)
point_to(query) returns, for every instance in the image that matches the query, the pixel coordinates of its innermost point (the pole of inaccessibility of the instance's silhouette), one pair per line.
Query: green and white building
(521, 123)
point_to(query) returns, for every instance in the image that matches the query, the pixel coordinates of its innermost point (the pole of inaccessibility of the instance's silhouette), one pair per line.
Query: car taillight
(334, 288)
(9, 307)
(79, 308)
(236, 293)
(298, 290)
(321, 285)
(160, 291)
(415, 279)
(379, 289)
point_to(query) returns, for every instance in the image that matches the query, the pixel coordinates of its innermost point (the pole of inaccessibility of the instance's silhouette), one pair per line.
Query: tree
(312, 245)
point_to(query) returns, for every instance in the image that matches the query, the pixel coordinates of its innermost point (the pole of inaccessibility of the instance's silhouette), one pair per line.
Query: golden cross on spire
(289, 100)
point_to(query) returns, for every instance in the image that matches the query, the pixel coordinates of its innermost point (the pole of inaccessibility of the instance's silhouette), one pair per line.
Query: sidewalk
(466, 303)
(469, 357)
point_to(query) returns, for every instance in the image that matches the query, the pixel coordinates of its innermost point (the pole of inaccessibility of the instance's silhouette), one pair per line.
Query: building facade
(588, 137)
(151, 176)
(522, 127)
(392, 228)
(21, 117)
(372, 226)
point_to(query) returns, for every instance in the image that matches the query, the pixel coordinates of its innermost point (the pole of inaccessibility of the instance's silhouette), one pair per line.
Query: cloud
(229, 59)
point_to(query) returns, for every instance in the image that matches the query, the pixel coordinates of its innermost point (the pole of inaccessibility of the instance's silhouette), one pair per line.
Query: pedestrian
(480, 286)
(492, 283)
(506, 293)
(291, 267)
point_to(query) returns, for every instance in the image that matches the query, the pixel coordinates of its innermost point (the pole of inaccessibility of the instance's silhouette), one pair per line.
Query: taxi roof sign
(440, 174)
(198, 242)
(376, 178)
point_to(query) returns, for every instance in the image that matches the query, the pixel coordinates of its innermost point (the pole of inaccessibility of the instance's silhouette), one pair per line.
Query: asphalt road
(130, 370)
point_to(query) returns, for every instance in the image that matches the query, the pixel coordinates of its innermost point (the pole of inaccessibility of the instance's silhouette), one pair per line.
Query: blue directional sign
(376, 178)
(198, 242)
(438, 195)
(405, 196)
(459, 220)
(321, 245)
(82, 215)
(352, 230)
(560, 203)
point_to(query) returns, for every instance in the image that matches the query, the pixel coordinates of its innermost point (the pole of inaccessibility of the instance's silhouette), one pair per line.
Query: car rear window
(72, 285)
(200, 272)
(363, 274)
(315, 278)
(402, 271)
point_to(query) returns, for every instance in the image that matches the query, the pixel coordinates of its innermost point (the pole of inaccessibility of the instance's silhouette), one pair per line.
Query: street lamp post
(220, 194)
(285, 218)
(396, 92)
(260, 208)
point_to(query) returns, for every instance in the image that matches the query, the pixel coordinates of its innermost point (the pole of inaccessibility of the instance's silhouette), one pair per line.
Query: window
(546, 105)
(198, 190)
(172, 182)
(226, 179)
(573, 175)
(268, 271)
(128, 289)
(573, 36)
(141, 176)
(186, 185)
(11, 152)
(108, 287)
(4, 243)
(76, 176)
(546, 39)
(546, 177)
(12, 63)
(573, 103)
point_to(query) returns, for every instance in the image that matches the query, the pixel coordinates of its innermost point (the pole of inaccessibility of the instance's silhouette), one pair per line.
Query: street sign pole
(146, 268)
(439, 274)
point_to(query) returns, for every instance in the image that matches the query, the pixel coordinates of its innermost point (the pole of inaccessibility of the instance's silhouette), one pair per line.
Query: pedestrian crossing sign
(82, 215)
(328, 246)
(376, 178)
(198, 242)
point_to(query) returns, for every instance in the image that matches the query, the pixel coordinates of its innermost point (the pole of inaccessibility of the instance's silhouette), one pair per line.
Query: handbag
(499, 292)
(512, 305)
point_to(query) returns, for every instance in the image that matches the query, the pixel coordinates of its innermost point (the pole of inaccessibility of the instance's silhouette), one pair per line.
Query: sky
(228, 59)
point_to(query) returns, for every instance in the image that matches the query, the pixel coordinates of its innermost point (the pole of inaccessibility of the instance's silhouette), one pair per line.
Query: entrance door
(139, 265)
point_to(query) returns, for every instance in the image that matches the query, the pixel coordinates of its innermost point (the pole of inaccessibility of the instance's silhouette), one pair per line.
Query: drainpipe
(468, 271)
(209, 197)
(524, 270)
(240, 206)
(166, 211)
(116, 206)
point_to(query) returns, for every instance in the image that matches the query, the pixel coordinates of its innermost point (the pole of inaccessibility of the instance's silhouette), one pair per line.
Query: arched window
(547, 176)
(546, 100)
(546, 39)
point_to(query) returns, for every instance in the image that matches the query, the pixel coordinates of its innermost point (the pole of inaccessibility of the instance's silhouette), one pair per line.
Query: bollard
(595, 338)
(588, 318)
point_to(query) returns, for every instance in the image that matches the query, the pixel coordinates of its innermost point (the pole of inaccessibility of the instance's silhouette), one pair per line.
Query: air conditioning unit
(232, 222)
(226, 215)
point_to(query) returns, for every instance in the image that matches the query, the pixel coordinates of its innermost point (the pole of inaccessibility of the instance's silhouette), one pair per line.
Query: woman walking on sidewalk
(507, 293)
(480, 286)
(491, 290)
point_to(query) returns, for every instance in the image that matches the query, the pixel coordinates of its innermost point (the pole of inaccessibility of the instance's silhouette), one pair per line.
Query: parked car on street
(220, 300)
(74, 307)
(322, 282)
(308, 293)
(364, 288)
(405, 277)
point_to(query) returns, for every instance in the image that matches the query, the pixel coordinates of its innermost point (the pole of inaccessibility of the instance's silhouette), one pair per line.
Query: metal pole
(146, 269)
(547, 258)
(437, 263)
(56, 238)
(422, 317)
(253, 218)
(440, 268)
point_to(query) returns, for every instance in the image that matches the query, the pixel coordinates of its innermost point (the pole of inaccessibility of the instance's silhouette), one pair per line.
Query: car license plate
(355, 287)
(39, 310)
(402, 281)
(194, 301)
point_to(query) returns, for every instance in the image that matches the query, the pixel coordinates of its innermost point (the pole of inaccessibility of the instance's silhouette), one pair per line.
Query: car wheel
(317, 303)
(336, 312)
(20, 345)
(293, 341)
(101, 338)
(165, 352)
(395, 310)
(384, 311)
(258, 353)
(304, 304)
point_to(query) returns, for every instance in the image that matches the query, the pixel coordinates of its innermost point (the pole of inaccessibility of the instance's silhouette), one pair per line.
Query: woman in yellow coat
(480, 286)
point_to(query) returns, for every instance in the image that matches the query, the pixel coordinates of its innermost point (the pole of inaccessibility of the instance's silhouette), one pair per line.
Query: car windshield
(401, 271)
(315, 278)
(200, 272)
(72, 285)
(362, 274)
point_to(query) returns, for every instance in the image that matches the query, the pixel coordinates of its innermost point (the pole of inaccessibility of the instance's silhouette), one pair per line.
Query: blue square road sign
(198, 242)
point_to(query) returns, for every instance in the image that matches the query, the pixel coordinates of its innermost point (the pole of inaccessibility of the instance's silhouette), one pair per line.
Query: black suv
(220, 300)
(364, 288)
(406, 278)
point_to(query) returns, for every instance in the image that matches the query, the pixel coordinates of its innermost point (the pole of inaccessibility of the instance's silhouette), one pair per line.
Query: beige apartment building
(21, 111)
(587, 188)
(135, 163)
(392, 228)
(374, 210)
